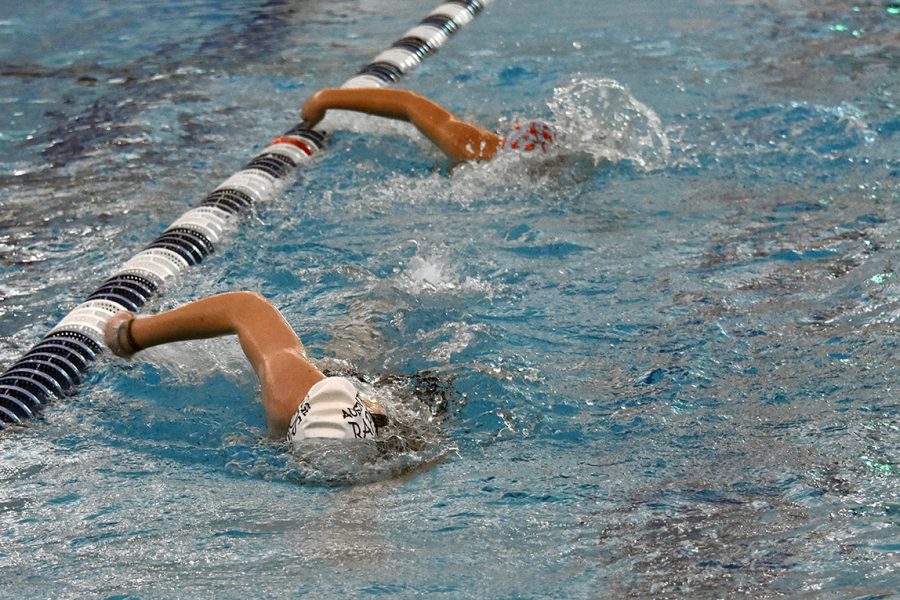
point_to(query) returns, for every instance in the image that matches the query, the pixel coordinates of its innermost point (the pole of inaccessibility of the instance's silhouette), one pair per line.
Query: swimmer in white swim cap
(459, 140)
(299, 401)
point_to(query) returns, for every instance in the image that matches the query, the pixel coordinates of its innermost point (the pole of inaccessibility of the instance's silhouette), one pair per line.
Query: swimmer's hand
(117, 334)
(313, 111)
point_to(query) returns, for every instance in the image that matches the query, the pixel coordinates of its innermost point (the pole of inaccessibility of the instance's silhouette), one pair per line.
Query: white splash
(601, 118)
(433, 275)
(451, 339)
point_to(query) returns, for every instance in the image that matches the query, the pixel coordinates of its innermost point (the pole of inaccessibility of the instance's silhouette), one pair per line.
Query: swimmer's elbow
(251, 298)
(246, 308)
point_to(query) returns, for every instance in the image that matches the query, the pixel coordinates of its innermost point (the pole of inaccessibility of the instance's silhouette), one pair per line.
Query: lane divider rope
(57, 364)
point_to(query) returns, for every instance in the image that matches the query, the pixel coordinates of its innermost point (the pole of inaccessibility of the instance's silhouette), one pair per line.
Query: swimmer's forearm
(401, 105)
(259, 325)
(206, 318)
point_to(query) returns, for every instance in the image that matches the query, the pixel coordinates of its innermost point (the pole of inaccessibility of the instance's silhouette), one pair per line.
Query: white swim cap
(332, 409)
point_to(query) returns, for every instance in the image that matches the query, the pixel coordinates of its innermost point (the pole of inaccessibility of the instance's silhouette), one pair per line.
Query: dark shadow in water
(254, 38)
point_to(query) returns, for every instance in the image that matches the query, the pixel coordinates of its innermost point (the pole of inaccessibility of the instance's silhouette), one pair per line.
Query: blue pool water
(663, 363)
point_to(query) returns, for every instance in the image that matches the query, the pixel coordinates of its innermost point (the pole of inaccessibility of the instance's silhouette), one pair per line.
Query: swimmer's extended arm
(459, 140)
(270, 344)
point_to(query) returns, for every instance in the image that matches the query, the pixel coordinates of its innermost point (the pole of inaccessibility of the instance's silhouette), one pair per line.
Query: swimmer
(459, 140)
(299, 401)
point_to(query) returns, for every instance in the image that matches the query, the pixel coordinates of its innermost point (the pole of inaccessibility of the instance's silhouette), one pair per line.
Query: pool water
(659, 362)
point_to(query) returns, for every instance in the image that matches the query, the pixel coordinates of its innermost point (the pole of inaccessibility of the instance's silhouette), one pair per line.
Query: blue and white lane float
(56, 364)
